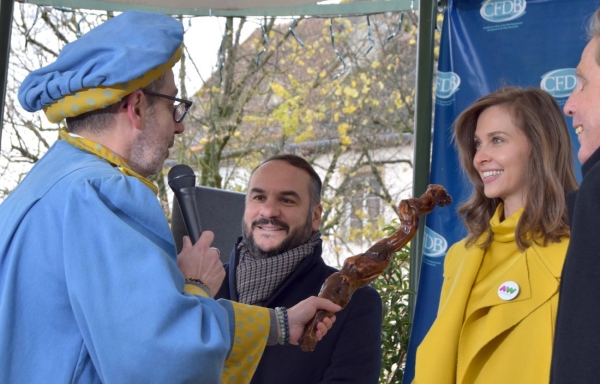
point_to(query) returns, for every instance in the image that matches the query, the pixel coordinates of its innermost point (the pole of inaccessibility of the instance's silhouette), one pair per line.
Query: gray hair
(593, 27)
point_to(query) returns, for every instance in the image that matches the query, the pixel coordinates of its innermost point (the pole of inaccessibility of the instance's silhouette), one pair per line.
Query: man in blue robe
(91, 288)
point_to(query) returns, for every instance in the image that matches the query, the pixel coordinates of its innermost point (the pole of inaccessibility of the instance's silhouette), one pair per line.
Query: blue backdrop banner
(486, 45)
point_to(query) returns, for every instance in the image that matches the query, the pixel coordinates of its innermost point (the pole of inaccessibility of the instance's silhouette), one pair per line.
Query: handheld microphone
(183, 183)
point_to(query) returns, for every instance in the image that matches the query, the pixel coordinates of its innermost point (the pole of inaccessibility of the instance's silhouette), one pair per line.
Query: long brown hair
(549, 170)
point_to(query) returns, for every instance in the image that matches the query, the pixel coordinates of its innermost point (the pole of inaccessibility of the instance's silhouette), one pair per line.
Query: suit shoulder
(368, 291)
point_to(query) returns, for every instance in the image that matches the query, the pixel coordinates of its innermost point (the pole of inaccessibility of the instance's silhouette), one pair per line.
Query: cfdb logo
(499, 11)
(560, 82)
(434, 245)
(446, 84)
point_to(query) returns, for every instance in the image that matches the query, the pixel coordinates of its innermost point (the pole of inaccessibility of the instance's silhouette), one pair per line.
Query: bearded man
(277, 262)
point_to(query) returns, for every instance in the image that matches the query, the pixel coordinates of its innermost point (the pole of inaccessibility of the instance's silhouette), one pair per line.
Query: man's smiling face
(278, 215)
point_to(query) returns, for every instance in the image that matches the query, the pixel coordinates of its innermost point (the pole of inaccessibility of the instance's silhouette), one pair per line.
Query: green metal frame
(345, 9)
(423, 100)
(6, 14)
(423, 128)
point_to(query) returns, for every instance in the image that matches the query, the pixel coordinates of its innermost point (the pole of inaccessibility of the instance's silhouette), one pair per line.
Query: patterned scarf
(105, 154)
(258, 278)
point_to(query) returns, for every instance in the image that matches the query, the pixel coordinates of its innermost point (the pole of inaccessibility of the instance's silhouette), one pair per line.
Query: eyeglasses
(180, 109)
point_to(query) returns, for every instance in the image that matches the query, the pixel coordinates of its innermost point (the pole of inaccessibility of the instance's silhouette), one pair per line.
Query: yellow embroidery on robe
(252, 325)
(194, 290)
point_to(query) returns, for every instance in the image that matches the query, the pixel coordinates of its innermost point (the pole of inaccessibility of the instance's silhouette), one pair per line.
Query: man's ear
(136, 105)
(317, 215)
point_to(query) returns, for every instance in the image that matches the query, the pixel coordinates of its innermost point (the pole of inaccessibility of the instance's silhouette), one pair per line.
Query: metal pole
(6, 14)
(423, 126)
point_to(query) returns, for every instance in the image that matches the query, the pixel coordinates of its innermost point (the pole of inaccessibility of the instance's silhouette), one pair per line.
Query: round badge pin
(508, 290)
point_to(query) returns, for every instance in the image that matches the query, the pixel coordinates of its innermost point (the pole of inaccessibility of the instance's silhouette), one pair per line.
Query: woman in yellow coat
(497, 308)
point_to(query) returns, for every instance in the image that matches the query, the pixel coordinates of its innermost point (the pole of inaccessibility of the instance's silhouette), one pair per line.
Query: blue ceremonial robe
(89, 286)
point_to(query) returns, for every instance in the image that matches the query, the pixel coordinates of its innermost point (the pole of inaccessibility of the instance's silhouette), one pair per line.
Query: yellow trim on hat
(89, 99)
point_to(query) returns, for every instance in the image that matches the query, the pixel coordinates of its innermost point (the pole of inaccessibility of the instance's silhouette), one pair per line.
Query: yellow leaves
(398, 102)
(343, 128)
(381, 85)
(290, 125)
(293, 80)
(375, 64)
(375, 102)
(349, 109)
(300, 62)
(350, 92)
(306, 135)
(309, 116)
(322, 74)
(215, 89)
(237, 134)
(279, 90)
(336, 117)
(343, 131)
(310, 71)
(252, 119)
(361, 214)
(412, 41)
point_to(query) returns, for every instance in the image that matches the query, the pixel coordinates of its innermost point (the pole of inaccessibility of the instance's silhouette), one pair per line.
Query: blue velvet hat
(125, 53)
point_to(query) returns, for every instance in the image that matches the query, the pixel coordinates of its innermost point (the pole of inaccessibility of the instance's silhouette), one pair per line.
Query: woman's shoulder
(553, 255)
(455, 255)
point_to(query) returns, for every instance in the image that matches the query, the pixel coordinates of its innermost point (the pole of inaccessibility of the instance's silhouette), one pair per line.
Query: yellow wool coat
(517, 345)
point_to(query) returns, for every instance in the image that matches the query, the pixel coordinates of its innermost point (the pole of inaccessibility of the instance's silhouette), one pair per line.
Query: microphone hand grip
(187, 204)
(182, 181)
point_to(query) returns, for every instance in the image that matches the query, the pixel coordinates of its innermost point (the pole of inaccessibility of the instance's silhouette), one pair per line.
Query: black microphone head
(181, 176)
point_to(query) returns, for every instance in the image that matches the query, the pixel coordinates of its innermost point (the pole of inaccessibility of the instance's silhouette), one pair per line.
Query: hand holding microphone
(201, 262)
(197, 260)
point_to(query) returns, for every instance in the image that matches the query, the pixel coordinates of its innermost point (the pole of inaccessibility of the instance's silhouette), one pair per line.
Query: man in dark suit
(577, 339)
(277, 263)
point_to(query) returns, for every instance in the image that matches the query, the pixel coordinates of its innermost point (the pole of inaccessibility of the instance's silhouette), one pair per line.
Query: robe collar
(105, 154)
